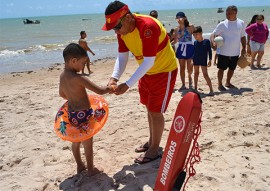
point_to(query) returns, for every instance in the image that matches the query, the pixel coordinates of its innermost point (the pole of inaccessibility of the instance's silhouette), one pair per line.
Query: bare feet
(211, 94)
(252, 67)
(80, 168)
(221, 88)
(182, 88)
(94, 171)
(229, 85)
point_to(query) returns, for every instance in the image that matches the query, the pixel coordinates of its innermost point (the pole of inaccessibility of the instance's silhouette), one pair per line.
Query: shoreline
(234, 141)
(55, 65)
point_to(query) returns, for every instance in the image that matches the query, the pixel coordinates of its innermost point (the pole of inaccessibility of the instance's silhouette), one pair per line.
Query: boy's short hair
(82, 32)
(73, 50)
(198, 29)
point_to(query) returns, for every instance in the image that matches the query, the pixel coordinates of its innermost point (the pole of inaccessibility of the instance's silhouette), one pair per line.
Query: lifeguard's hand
(112, 81)
(122, 88)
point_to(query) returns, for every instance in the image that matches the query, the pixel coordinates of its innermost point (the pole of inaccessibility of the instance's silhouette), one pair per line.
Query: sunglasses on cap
(119, 25)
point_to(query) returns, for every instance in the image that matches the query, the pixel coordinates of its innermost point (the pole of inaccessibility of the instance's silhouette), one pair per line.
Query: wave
(44, 47)
(103, 39)
(10, 53)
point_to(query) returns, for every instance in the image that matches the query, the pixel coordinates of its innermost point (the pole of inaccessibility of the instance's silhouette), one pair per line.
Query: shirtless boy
(84, 45)
(73, 88)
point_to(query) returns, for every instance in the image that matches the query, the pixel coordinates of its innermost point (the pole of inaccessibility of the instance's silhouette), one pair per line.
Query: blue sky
(33, 8)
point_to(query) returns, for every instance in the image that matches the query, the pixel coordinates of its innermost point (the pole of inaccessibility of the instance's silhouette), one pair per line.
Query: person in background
(253, 20)
(202, 49)
(154, 14)
(84, 45)
(232, 29)
(171, 36)
(258, 33)
(184, 53)
(148, 41)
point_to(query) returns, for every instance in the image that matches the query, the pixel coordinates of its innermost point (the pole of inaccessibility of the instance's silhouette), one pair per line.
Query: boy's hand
(209, 63)
(111, 88)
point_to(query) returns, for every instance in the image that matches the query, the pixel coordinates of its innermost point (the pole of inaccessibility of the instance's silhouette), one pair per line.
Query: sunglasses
(259, 19)
(119, 25)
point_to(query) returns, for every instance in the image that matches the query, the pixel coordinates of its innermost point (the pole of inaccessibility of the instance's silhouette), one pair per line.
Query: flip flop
(146, 159)
(142, 148)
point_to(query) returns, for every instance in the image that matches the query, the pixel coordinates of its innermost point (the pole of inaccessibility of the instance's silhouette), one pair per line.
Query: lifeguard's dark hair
(232, 7)
(113, 7)
(73, 50)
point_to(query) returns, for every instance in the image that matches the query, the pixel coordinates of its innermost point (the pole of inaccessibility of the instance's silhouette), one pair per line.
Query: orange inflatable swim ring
(65, 130)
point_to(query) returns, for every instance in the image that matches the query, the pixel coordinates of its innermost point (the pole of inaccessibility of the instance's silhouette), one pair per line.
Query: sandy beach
(234, 143)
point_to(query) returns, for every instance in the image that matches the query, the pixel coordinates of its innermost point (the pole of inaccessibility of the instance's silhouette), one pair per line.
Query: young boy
(83, 43)
(73, 88)
(202, 49)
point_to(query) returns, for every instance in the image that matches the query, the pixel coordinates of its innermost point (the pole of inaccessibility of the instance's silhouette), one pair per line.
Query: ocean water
(26, 47)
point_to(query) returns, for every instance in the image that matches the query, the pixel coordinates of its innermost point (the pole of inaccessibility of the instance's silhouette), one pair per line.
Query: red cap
(111, 20)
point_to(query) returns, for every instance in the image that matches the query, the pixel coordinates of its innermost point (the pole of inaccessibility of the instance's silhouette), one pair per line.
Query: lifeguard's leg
(156, 128)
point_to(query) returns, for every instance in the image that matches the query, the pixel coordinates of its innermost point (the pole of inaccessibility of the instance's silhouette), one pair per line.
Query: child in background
(258, 33)
(73, 88)
(202, 49)
(84, 45)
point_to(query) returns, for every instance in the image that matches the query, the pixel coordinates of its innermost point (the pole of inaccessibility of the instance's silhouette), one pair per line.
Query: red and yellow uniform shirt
(149, 38)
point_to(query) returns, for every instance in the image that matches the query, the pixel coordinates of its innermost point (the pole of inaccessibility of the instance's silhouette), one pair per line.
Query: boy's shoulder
(70, 75)
(206, 41)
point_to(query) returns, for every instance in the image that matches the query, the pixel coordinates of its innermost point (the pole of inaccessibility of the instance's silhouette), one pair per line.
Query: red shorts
(156, 90)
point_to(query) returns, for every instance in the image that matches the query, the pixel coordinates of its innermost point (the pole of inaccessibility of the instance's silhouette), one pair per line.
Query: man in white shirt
(233, 32)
